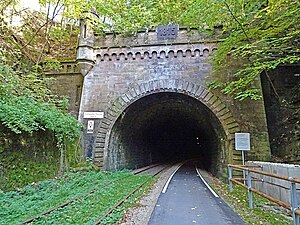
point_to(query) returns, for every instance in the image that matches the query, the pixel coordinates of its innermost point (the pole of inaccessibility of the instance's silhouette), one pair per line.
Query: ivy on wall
(26, 105)
(26, 158)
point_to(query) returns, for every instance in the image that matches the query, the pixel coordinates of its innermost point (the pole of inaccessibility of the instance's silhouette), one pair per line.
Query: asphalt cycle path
(188, 201)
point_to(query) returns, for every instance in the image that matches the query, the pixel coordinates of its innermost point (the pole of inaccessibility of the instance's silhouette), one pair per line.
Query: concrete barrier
(277, 188)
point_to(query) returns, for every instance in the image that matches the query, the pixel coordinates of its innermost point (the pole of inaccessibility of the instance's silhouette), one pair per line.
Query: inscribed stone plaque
(167, 32)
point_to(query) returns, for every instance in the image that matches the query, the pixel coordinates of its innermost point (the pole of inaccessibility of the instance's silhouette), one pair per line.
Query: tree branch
(34, 35)
(272, 85)
(55, 13)
(239, 23)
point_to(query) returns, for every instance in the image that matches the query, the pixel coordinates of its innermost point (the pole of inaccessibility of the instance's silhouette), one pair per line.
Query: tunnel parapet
(111, 40)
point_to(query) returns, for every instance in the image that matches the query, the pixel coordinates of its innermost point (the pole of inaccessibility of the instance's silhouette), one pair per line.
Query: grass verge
(264, 211)
(117, 215)
(16, 207)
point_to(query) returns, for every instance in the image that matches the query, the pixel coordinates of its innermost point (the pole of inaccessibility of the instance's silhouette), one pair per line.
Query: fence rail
(248, 179)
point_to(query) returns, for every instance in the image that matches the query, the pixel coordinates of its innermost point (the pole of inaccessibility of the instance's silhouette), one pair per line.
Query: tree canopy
(256, 36)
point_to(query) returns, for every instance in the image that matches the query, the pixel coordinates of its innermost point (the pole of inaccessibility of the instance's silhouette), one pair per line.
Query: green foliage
(52, 64)
(26, 103)
(214, 84)
(258, 44)
(37, 198)
(24, 106)
(19, 170)
(116, 215)
(36, 37)
(26, 158)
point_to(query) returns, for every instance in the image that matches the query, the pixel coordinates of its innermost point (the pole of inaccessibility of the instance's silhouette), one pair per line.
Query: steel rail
(58, 207)
(143, 169)
(127, 196)
(84, 195)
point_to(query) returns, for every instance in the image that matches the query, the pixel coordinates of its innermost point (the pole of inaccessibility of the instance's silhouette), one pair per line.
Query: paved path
(187, 201)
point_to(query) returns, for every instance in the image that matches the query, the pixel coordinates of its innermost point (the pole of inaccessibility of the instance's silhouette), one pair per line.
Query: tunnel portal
(165, 127)
(144, 99)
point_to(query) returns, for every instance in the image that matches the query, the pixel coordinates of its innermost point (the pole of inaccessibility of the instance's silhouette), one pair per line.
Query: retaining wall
(279, 189)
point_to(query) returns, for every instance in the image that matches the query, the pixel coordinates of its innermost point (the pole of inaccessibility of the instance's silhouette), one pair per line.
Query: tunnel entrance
(166, 127)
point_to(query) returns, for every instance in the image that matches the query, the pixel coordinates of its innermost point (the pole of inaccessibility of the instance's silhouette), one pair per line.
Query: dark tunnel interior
(165, 127)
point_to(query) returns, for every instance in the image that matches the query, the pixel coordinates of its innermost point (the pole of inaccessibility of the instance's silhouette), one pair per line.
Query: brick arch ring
(138, 91)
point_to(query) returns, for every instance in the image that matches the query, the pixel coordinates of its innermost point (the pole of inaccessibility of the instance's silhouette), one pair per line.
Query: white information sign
(90, 126)
(93, 115)
(242, 141)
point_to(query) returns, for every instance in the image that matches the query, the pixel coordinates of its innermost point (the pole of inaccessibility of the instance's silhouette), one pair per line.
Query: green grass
(118, 214)
(16, 207)
(30, 201)
(262, 212)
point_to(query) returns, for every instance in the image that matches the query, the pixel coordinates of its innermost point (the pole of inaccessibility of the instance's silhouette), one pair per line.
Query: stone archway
(138, 91)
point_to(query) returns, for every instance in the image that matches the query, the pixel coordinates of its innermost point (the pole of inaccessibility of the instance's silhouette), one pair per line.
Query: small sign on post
(242, 143)
(90, 126)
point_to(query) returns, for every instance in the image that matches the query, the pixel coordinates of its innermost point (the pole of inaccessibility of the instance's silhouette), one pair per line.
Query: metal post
(250, 196)
(230, 177)
(294, 203)
(243, 157)
(243, 160)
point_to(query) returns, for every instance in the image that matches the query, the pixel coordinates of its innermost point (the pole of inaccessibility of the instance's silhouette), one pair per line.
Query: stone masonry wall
(68, 82)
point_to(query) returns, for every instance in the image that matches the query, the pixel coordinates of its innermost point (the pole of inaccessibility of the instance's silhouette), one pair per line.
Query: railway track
(152, 170)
